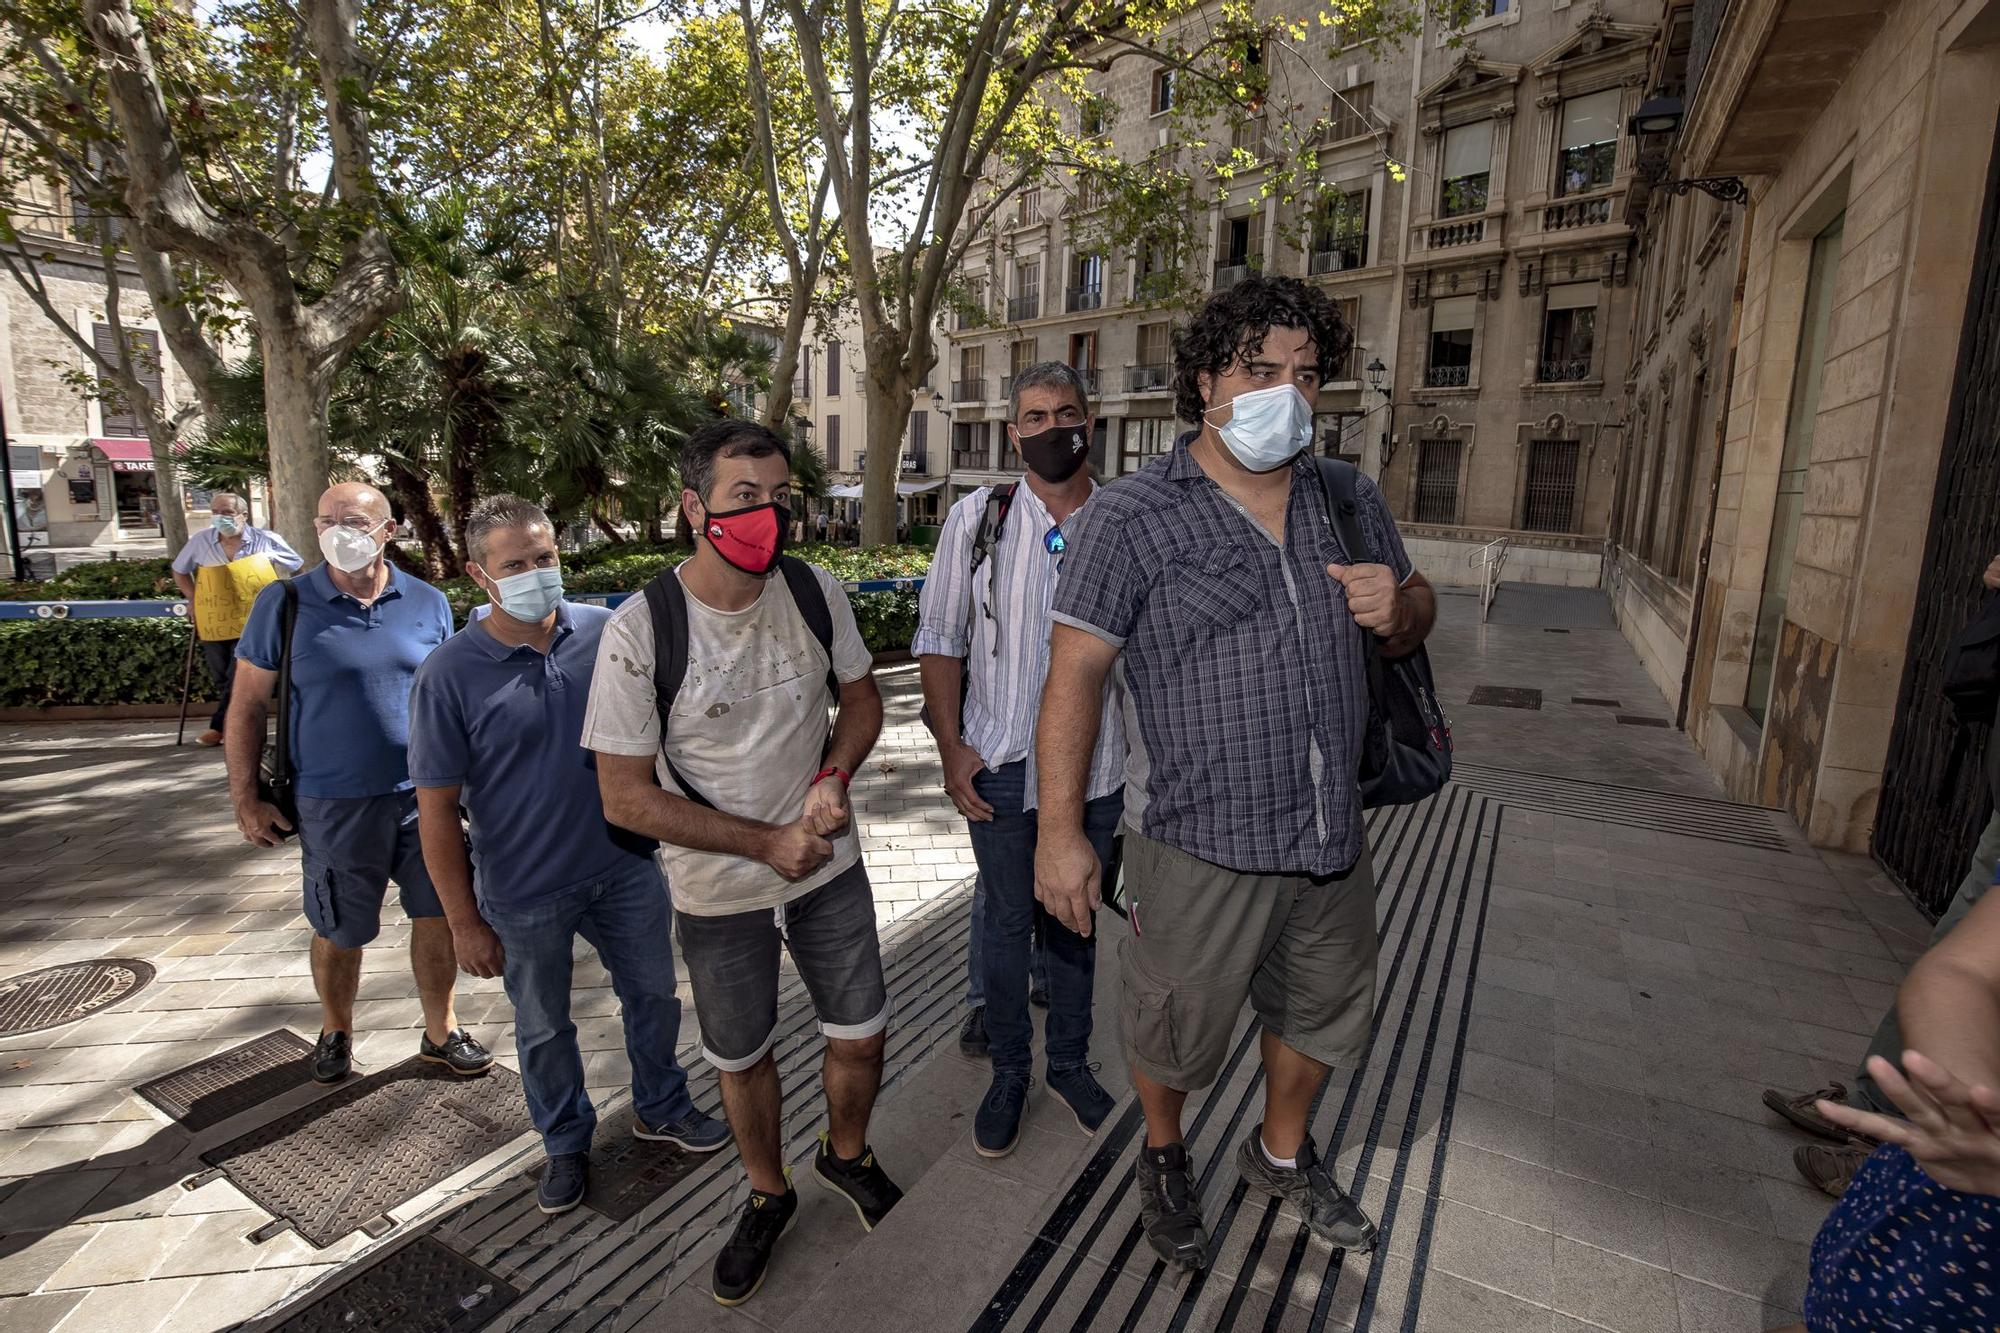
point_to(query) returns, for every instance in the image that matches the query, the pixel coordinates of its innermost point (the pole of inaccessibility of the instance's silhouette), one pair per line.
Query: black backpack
(667, 601)
(1971, 681)
(1406, 745)
(992, 521)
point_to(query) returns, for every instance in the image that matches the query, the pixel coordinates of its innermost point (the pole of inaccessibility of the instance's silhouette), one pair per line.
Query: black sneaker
(1168, 1208)
(860, 1182)
(740, 1267)
(996, 1126)
(333, 1057)
(461, 1053)
(1311, 1188)
(563, 1181)
(1083, 1094)
(693, 1132)
(972, 1042)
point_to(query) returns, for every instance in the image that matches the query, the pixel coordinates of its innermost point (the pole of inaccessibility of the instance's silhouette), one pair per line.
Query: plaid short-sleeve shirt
(1245, 675)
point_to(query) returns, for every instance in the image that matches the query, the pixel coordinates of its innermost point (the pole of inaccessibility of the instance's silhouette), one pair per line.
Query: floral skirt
(1902, 1252)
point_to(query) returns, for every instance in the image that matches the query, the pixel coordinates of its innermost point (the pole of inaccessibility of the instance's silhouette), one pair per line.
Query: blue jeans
(626, 919)
(1004, 847)
(975, 959)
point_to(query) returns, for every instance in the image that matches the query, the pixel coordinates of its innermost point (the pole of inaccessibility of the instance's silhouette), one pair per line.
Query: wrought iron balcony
(1447, 377)
(1228, 275)
(1346, 254)
(1085, 298)
(1147, 379)
(1024, 307)
(968, 391)
(1569, 371)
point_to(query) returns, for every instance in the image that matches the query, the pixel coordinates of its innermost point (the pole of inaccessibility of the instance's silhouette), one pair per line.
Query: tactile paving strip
(1505, 696)
(210, 1091)
(53, 996)
(352, 1156)
(424, 1287)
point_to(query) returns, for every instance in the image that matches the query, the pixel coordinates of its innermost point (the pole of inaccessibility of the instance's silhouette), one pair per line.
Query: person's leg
(219, 657)
(628, 924)
(337, 979)
(1004, 847)
(832, 938)
(1888, 1042)
(1291, 1081)
(346, 875)
(732, 963)
(1070, 959)
(433, 961)
(538, 946)
(852, 1073)
(1162, 1105)
(975, 966)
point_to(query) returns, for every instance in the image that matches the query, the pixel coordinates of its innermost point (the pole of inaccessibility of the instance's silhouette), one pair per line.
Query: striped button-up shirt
(998, 621)
(1244, 673)
(205, 548)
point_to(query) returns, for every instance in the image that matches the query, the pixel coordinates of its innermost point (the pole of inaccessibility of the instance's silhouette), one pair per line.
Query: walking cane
(187, 681)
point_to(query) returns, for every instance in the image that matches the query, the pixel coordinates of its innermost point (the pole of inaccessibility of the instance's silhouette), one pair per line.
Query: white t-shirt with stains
(748, 729)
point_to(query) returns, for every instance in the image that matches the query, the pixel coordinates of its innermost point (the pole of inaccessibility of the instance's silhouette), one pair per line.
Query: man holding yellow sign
(220, 571)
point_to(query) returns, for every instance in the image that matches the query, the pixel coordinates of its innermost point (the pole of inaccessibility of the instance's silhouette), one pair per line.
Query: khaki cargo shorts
(1205, 938)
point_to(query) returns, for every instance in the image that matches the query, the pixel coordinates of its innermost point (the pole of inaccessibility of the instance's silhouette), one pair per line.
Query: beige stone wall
(1903, 148)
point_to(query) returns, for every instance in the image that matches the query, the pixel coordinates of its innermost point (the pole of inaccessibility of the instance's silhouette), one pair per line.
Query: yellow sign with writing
(223, 594)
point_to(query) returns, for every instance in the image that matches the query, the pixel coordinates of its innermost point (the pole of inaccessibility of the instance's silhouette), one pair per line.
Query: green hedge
(139, 661)
(50, 662)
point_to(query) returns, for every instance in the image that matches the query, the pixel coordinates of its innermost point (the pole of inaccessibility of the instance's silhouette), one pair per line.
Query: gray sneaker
(1168, 1209)
(1309, 1185)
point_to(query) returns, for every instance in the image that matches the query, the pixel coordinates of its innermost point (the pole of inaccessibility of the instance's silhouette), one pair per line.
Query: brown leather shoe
(1829, 1170)
(1799, 1110)
(211, 738)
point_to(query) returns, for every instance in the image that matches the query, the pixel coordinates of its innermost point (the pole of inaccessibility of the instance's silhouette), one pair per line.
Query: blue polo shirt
(505, 725)
(352, 666)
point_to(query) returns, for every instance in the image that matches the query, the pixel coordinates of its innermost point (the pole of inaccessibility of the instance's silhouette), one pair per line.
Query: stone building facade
(1858, 410)
(1472, 228)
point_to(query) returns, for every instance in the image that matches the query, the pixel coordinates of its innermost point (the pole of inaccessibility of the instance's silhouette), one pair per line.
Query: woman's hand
(1953, 1131)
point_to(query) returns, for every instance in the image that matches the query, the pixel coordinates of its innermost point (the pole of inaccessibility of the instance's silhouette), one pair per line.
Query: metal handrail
(1488, 559)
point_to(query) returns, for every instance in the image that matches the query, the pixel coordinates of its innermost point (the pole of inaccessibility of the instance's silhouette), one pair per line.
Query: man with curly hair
(1212, 582)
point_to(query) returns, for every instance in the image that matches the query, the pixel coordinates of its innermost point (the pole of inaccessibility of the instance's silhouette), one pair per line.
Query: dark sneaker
(1038, 996)
(563, 1182)
(997, 1126)
(1310, 1186)
(860, 1182)
(461, 1053)
(740, 1267)
(972, 1041)
(1798, 1109)
(1829, 1170)
(694, 1131)
(1083, 1094)
(1168, 1208)
(333, 1057)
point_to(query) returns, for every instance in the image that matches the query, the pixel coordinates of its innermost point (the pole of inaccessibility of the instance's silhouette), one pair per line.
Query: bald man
(363, 628)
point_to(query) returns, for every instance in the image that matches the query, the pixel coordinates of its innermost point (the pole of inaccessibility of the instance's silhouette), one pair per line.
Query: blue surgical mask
(225, 524)
(1267, 427)
(530, 595)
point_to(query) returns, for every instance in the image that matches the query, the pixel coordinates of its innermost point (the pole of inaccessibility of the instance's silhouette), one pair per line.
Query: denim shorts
(352, 846)
(732, 963)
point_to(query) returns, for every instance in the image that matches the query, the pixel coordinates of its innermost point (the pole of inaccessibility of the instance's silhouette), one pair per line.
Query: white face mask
(348, 550)
(1267, 427)
(528, 596)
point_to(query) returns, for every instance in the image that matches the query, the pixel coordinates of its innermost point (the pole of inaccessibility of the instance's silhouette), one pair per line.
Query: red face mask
(750, 539)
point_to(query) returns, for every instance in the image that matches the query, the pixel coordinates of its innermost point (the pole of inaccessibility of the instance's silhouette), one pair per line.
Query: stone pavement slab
(1590, 967)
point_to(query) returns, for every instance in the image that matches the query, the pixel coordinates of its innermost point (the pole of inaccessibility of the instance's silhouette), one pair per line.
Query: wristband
(846, 778)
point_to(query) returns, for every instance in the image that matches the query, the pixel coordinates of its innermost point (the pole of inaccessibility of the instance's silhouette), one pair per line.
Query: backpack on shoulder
(992, 521)
(1406, 746)
(666, 600)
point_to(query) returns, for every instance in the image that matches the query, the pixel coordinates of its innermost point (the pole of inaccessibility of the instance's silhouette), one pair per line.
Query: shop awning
(125, 455)
(844, 493)
(919, 487)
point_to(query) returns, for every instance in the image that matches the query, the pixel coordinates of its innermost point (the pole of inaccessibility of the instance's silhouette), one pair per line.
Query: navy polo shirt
(505, 725)
(351, 671)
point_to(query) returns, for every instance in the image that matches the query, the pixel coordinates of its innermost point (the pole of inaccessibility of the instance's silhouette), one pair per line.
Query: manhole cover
(425, 1287)
(210, 1091)
(627, 1173)
(1594, 703)
(1632, 721)
(57, 995)
(1506, 696)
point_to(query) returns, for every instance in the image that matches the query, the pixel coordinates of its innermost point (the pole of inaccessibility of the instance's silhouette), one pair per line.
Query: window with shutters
(1145, 439)
(1163, 91)
(1350, 118)
(1589, 142)
(833, 367)
(121, 418)
(1350, 316)
(1569, 329)
(833, 442)
(917, 459)
(1451, 344)
(1548, 501)
(1340, 232)
(1468, 164)
(1437, 481)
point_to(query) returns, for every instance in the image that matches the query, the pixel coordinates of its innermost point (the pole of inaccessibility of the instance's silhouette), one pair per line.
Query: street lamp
(1379, 381)
(1658, 119)
(1376, 370)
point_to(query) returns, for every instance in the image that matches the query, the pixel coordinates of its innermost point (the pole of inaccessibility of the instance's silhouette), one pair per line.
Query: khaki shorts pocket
(1145, 1012)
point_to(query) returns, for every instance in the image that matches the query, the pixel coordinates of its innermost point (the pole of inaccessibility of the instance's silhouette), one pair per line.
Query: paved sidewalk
(1601, 964)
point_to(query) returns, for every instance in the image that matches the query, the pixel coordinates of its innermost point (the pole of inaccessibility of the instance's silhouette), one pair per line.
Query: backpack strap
(666, 600)
(282, 759)
(992, 521)
(810, 598)
(1343, 511)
